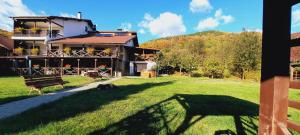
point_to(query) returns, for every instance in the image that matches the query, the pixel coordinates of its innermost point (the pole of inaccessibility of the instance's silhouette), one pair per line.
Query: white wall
(130, 43)
(73, 27)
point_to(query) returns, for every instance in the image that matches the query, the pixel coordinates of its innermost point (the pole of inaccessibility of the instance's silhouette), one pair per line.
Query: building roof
(51, 17)
(295, 35)
(295, 51)
(94, 39)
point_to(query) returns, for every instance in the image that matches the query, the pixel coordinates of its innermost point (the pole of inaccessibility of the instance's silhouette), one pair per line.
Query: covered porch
(104, 67)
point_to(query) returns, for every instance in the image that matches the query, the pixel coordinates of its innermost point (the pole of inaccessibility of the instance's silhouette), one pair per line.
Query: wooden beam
(295, 84)
(293, 125)
(294, 2)
(295, 42)
(275, 66)
(56, 23)
(294, 104)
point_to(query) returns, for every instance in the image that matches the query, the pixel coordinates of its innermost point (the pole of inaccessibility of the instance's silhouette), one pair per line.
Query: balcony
(82, 53)
(30, 33)
(35, 34)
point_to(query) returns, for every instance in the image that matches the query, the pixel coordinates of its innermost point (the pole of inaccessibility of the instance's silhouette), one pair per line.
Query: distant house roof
(51, 17)
(95, 39)
(295, 35)
(6, 42)
(295, 51)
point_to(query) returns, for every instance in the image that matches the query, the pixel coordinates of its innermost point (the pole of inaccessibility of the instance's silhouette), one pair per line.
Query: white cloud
(12, 8)
(213, 22)
(67, 15)
(142, 31)
(208, 23)
(296, 18)
(167, 24)
(126, 26)
(200, 6)
(43, 13)
(253, 30)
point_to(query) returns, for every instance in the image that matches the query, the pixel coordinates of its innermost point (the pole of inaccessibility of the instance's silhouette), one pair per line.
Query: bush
(196, 74)
(213, 68)
(253, 75)
(226, 73)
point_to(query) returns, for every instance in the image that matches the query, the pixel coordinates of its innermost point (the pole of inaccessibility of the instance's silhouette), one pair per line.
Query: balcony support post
(61, 67)
(78, 66)
(111, 66)
(29, 67)
(96, 64)
(45, 66)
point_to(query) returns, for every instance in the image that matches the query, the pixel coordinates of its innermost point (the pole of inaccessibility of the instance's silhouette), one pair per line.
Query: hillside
(212, 53)
(5, 33)
(209, 38)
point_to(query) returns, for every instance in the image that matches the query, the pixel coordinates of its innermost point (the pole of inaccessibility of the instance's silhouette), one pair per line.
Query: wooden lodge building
(73, 46)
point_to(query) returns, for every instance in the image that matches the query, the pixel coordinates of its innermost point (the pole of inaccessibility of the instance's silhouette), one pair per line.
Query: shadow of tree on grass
(161, 117)
(68, 107)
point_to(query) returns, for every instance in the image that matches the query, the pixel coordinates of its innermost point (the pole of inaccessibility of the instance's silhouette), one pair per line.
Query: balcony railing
(81, 53)
(61, 70)
(38, 33)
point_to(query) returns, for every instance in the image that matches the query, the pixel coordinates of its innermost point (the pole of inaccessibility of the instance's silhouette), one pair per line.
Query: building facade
(46, 45)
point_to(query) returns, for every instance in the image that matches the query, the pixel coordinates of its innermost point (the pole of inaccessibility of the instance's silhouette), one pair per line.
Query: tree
(247, 53)
(213, 68)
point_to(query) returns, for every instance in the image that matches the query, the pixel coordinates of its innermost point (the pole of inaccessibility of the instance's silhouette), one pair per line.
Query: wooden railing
(61, 70)
(294, 104)
(38, 33)
(80, 53)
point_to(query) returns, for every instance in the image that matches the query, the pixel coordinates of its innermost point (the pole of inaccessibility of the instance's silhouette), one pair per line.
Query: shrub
(67, 50)
(19, 29)
(34, 51)
(107, 51)
(35, 30)
(19, 51)
(213, 69)
(196, 74)
(90, 51)
(297, 69)
(253, 75)
(226, 73)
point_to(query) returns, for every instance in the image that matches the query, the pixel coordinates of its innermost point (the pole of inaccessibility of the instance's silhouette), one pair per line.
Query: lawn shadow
(68, 107)
(161, 117)
(34, 93)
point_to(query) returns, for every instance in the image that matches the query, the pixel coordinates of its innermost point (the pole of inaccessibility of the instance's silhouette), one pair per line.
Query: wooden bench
(36, 83)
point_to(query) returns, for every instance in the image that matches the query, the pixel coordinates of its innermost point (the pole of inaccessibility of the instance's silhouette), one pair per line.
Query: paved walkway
(16, 107)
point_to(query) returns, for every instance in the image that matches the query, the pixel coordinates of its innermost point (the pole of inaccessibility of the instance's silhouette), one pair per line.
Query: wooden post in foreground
(275, 67)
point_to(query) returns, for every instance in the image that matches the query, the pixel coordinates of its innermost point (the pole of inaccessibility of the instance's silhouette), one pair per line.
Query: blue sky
(152, 18)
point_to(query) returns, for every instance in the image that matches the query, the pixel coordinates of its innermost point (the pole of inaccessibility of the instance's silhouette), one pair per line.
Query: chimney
(79, 15)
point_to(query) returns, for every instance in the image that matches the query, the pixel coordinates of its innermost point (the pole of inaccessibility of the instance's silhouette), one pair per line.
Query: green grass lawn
(14, 88)
(167, 105)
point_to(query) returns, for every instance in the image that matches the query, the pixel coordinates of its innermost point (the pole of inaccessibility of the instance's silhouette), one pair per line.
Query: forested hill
(5, 33)
(214, 53)
(209, 38)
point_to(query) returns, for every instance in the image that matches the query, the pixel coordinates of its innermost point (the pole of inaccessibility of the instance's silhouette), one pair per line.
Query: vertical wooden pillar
(95, 64)
(61, 67)
(291, 73)
(45, 67)
(111, 66)
(78, 66)
(275, 67)
(29, 67)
